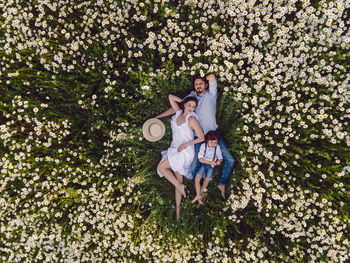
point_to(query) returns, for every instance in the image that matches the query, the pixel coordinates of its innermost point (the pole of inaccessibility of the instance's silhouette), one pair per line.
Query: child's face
(212, 143)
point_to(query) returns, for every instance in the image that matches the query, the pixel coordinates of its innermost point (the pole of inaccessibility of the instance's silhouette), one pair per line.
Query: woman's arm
(174, 102)
(193, 125)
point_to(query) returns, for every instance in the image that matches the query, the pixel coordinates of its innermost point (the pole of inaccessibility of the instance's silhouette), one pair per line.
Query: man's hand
(210, 77)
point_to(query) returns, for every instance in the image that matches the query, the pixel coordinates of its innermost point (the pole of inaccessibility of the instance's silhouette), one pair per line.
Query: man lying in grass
(205, 90)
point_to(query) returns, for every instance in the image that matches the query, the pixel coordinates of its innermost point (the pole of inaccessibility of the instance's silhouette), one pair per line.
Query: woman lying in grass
(176, 161)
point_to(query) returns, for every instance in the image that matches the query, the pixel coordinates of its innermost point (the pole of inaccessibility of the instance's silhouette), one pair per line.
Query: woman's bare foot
(197, 198)
(221, 187)
(182, 190)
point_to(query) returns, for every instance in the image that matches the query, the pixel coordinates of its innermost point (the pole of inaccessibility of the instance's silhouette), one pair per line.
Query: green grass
(78, 181)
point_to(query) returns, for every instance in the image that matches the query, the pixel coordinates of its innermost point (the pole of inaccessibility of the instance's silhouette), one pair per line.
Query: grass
(78, 182)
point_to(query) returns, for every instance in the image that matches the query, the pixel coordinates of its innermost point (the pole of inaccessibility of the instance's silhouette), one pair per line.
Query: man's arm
(213, 84)
(166, 113)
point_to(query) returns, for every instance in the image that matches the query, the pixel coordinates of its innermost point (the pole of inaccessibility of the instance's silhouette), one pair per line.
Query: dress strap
(192, 114)
(174, 117)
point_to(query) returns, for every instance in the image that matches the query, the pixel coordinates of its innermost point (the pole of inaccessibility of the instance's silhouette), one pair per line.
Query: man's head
(200, 84)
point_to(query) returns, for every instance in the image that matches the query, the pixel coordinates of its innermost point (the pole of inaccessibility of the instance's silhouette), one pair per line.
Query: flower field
(78, 181)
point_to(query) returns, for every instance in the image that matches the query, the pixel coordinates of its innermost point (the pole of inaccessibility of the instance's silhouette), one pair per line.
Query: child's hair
(211, 135)
(190, 98)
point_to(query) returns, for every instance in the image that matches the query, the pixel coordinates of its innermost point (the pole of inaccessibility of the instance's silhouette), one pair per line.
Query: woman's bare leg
(198, 188)
(164, 168)
(178, 195)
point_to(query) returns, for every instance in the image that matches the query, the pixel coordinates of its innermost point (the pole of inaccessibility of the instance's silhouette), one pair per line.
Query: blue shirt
(206, 108)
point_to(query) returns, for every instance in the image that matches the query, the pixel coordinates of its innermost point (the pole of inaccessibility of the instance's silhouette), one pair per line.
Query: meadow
(78, 181)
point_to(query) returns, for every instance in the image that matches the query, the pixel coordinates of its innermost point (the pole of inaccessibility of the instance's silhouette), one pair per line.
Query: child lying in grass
(209, 156)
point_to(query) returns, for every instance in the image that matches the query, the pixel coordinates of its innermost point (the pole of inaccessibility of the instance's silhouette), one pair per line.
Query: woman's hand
(174, 102)
(181, 147)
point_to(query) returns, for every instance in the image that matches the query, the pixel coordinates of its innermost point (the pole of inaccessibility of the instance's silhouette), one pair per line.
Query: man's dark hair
(199, 77)
(211, 135)
(190, 98)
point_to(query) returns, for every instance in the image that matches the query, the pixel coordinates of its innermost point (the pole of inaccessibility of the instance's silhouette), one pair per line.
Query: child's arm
(219, 156)
(218, 162)
(202, 160)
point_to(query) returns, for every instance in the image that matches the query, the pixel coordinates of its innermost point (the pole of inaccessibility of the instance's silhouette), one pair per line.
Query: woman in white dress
(176, 161)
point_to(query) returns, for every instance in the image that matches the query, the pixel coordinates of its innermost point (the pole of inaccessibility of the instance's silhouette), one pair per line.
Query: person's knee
(194, 163)
(179, 178)
(161, 166)
(230, 160)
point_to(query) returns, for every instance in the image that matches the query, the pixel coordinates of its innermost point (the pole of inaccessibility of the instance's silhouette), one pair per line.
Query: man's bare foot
(177, 213)
(197, 198)
(221, 187)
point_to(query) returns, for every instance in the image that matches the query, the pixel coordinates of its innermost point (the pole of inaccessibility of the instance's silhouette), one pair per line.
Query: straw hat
(153, 130)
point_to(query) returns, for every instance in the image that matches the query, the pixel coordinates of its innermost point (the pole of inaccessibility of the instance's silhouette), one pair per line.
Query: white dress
(180, 161)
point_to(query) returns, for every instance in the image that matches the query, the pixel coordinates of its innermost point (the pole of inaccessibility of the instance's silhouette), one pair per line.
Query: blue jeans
(229, 161)
(206, 171)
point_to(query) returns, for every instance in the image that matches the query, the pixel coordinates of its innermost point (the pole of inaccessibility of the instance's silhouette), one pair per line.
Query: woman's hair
(211, 135)
(181, 105)
(199, 77)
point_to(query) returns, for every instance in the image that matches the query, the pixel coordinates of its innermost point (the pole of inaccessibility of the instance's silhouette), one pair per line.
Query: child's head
(212, 138)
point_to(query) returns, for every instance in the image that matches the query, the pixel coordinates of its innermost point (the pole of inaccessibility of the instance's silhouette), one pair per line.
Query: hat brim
(146, 130)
